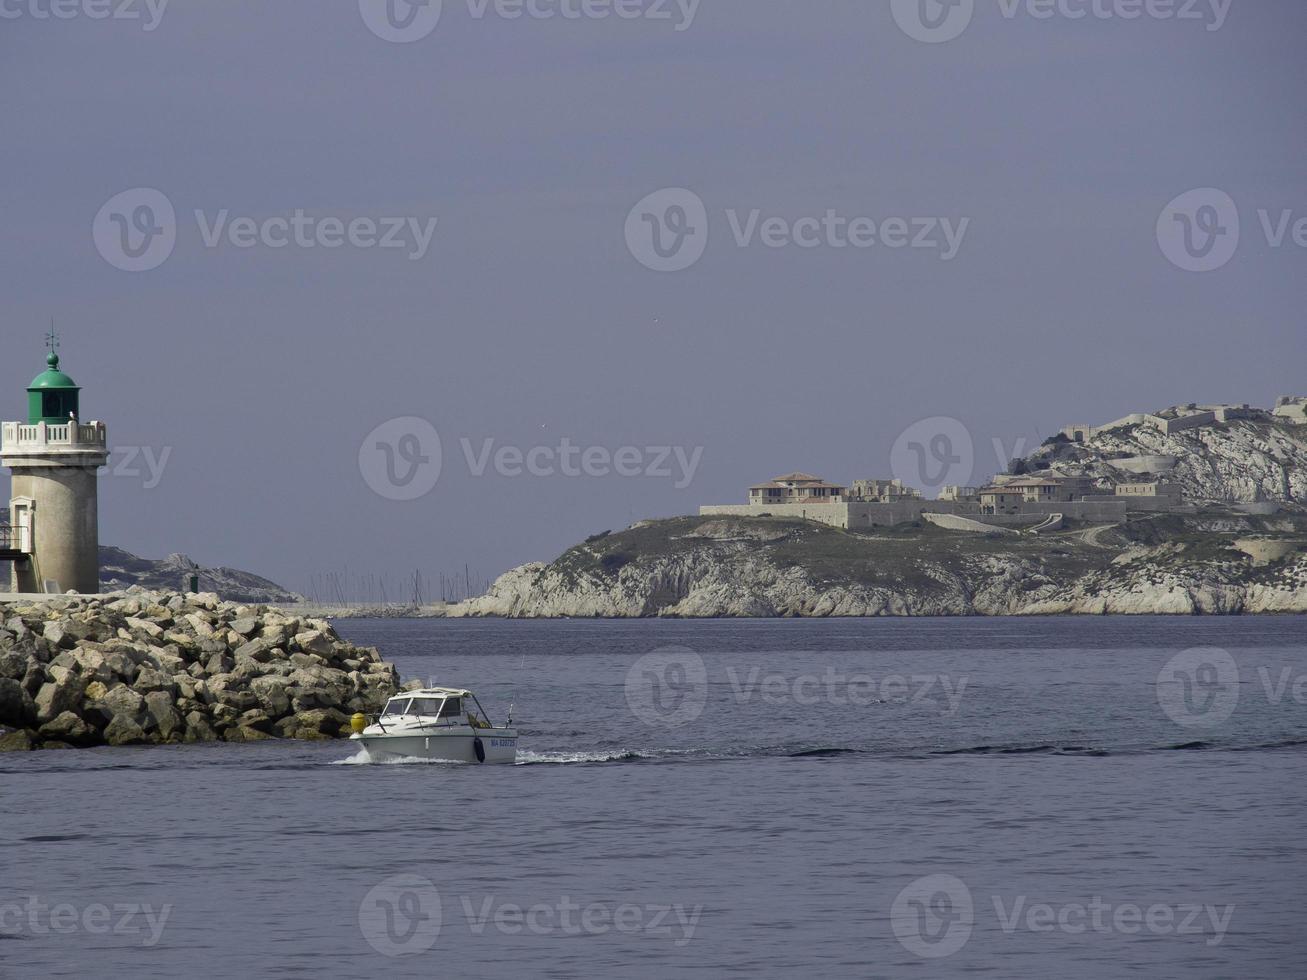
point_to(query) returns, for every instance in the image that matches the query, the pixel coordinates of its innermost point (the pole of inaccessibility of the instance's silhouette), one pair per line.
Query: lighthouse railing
(18, 436)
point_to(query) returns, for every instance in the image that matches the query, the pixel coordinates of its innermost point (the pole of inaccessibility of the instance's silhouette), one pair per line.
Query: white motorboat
(439, 724)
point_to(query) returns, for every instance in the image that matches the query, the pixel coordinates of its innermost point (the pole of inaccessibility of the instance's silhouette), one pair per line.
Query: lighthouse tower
(54, 456)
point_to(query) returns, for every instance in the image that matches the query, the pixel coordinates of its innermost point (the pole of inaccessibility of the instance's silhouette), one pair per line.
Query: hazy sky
(1051, 145)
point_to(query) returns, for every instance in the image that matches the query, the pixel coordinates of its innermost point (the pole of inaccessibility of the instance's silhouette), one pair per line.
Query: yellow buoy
(358, 723)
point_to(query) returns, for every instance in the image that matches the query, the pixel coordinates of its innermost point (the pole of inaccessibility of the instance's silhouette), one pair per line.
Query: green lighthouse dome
(52, 396)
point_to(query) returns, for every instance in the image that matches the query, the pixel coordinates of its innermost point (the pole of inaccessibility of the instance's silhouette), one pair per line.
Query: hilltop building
(52, 539)
(1010, 495)
(1180, 418)
(795, 488)
(1014, 500)
(1134, 484)
(882, 491)
(1154, 488)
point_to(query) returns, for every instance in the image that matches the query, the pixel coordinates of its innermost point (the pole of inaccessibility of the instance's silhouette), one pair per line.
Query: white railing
(19, 437)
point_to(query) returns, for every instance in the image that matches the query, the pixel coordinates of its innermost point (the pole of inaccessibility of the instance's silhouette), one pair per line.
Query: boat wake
(361, 758)
(525, 758)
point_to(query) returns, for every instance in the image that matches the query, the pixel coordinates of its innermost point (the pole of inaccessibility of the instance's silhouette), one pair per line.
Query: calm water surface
(1003, 798)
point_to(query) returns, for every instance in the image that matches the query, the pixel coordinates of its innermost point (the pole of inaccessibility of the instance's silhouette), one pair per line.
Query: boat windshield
(428, 707)
(399, 706)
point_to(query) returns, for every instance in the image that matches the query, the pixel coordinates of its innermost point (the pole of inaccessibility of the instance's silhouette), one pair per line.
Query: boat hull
(498, 747)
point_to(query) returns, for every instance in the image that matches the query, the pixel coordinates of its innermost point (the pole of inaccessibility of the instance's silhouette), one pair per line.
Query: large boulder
(154, 679)
(251, 726)
(59, 695)
(315, 641)
(200, 623)
(13, 665)
(255, 718)
(123, 731)
(93, 665)
(67, 727)
(19, 741)
(223, 716)
(59, 633)
(34, 678)
(245, 625)
(123, 666)
(317, 724)
(121, 701)
(144, 626)
(257, 651)
(271, 692)
(16, 706)
(220, 663)
(162, 717)
(319, 687)
(198, 728)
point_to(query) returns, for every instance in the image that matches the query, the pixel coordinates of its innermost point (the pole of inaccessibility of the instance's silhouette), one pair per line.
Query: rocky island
(1230, 536)
(142, 667)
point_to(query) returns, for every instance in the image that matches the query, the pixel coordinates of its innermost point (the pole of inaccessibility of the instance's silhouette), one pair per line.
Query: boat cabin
(436, 707)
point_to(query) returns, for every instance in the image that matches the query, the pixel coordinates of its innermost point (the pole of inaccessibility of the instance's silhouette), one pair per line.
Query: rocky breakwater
(141, 668)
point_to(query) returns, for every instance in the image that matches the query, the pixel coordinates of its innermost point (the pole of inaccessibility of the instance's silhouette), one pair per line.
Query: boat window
(398, 707)
(452, 709)
(426, 706)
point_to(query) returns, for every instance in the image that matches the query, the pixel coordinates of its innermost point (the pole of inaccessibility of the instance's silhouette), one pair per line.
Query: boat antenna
(513, 696)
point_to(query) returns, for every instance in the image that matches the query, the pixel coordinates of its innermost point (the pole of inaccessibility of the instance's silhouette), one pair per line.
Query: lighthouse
(53, 537)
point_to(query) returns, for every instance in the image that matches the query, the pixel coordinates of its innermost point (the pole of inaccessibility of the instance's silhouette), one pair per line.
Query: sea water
(1079, 797)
